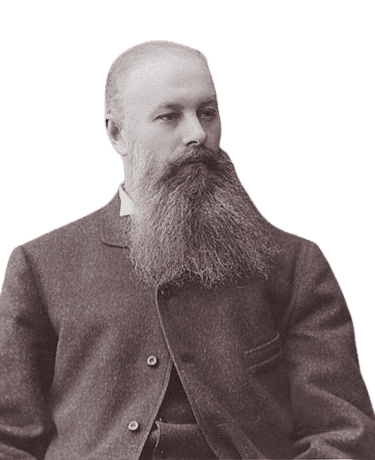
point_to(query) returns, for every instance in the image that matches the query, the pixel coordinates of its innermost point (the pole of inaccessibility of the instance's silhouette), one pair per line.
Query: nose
(193, 131)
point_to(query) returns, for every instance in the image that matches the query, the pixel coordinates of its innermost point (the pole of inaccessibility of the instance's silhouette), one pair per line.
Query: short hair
(126, 60)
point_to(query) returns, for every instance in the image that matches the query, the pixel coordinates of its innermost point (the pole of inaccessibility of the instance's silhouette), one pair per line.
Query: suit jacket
(269, 366)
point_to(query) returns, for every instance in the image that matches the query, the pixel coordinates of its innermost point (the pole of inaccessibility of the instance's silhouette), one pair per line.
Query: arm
(26, 364)
(332, 411)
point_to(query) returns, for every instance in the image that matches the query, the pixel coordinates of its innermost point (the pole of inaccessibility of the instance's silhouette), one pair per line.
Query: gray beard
(195, 221)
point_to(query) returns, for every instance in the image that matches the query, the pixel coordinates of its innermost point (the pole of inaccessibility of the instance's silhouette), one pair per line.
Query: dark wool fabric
(182, 441)
(269, 366)
(175, 433)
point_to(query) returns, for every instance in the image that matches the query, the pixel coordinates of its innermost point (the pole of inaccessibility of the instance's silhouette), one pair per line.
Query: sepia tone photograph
(186, 258)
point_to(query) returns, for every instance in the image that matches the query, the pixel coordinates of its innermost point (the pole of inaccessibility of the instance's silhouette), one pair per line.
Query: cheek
(214, 136)
(151, 143)
(164, 149)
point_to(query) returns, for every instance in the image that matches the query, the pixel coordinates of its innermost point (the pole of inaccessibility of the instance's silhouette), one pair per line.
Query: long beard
(193, 220)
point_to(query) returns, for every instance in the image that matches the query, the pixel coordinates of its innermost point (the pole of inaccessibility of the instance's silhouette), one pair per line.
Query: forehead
(182, 79)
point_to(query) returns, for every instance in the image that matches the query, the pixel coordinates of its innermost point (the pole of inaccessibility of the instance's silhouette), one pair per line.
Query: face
(170, 105)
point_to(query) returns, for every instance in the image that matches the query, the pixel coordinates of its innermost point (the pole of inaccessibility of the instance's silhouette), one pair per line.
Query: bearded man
(176, 322)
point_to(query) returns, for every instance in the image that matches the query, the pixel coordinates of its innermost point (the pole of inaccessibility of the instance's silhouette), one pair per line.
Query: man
(176, 322)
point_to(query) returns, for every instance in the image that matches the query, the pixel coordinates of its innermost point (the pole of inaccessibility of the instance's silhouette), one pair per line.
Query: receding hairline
(131, 57)
(145, 49)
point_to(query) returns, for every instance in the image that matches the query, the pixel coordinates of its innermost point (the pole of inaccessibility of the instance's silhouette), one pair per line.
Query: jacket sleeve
(331, 407)
(25, 364)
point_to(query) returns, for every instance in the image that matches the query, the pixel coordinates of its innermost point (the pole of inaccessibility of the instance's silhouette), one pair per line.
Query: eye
(207, 114)
(168, 117)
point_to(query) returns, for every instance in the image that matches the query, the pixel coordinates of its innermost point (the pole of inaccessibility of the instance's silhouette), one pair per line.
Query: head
(193, 219)
(161, 96)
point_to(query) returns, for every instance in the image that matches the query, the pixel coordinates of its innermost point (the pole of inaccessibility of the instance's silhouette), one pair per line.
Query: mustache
(215, 162)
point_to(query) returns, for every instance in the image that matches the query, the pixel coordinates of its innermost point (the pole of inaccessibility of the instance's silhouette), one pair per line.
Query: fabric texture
(175, 433)
(269, 366)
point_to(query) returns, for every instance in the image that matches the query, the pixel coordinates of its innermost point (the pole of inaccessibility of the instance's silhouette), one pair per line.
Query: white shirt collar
(127, 206)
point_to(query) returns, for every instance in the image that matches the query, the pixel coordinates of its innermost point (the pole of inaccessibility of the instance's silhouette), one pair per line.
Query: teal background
(295, 82)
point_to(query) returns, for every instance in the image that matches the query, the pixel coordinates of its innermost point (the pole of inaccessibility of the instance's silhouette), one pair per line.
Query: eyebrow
(211, 100)
(178, 106)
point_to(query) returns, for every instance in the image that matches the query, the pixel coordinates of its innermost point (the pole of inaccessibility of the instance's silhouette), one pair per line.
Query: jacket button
(152, 361)
(133, 426)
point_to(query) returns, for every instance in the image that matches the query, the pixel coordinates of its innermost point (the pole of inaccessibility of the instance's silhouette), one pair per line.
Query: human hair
(114, 105)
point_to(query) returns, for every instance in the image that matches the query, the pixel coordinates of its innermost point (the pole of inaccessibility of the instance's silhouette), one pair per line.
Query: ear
(114, 133)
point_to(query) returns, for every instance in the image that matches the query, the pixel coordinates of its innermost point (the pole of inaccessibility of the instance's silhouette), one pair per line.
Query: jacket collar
(113, 232)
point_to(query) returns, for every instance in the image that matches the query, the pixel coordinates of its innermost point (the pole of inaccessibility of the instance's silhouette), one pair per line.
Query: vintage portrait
(172, 288)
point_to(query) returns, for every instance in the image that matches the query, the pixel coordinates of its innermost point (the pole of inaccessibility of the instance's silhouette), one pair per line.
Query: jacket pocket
(263, 355)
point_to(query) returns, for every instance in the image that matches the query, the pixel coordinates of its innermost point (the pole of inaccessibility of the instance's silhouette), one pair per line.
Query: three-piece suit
(269, 366)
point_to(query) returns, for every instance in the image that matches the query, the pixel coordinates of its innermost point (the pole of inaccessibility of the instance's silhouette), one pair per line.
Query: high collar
(113, 227)
(127, 206)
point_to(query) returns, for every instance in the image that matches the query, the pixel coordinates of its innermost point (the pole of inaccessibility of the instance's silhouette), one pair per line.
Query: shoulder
(68, 239)
(299, 269)
(290, 249)
(299, 260)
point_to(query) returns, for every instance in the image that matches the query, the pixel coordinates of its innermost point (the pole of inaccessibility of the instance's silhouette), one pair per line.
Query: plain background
(295, 81)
